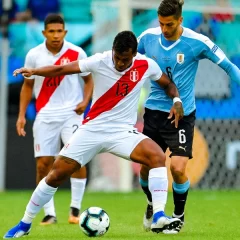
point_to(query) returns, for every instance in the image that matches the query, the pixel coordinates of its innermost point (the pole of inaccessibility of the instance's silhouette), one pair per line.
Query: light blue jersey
(179, 60)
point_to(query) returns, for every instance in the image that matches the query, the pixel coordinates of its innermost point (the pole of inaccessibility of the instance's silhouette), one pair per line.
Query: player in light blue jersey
(177, 50)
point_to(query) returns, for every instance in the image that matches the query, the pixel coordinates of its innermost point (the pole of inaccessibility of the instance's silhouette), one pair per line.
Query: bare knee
(178, 172)
(44, 165)
(156, 159)
(62, 169)
(81, 173)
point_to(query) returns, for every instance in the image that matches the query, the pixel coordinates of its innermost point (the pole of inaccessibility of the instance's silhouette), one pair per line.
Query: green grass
(209, 215)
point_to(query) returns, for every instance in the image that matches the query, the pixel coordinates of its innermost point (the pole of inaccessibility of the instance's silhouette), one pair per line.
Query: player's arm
(207, 49)
(25, 98)
(231, 69)
(87, 94)
(50, 71)
(171, 90)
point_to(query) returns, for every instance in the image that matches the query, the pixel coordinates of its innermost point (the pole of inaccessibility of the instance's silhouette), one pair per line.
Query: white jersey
(56, 96)
(116, 94)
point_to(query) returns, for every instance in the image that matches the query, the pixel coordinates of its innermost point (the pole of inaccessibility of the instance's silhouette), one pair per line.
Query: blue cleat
(19, 230)
(161, 223)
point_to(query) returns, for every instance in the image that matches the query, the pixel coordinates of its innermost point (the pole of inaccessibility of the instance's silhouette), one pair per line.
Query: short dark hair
(53, 18)
(124, 41)
(170, 8)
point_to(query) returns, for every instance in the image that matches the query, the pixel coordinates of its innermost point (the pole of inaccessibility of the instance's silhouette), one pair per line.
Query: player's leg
(46, 146)
(44, 165)
(62, 168)
(151, 126)
(180, 187)
(72, 157)
(180, 145)
(79, 178)
(143, 150)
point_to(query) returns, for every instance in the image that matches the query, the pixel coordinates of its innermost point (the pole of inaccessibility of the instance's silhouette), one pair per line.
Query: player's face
(122, 61)
(170, 26)
(54, 34)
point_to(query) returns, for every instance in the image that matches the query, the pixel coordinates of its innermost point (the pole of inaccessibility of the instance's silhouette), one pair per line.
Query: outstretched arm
(50, 71)
(231, 69)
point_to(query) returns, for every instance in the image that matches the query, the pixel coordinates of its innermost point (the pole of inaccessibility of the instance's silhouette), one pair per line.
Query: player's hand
(21, 122)
(177, 111)
(81, 108)
(26, 72)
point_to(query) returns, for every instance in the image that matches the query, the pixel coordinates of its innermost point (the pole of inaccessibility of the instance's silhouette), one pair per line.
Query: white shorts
(85, 144)
(48, 135)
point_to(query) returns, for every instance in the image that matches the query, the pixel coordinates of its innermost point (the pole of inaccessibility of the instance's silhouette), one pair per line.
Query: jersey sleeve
(205, 48)
(82, 55)
(215, 54)
(90, 64)
(140, 39)
(231, 69)
(30, 62)
(154, 70)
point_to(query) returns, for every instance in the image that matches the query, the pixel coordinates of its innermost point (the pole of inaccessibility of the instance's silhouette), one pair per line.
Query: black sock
(147, 192)
(179, 202)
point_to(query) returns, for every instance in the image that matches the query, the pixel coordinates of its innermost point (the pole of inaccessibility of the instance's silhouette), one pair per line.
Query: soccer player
(177, 50)
(60, 103)
(109, 126)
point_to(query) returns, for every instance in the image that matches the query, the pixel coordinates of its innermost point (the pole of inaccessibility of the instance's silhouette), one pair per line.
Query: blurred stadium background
(93, 25)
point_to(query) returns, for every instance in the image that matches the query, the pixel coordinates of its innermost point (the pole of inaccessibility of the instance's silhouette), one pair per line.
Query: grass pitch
(209, 215)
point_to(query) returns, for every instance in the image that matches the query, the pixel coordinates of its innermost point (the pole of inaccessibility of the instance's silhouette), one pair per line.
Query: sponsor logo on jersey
(65, 61)
(165, 58)
(134, 76)
(180, 58)
(215, 48)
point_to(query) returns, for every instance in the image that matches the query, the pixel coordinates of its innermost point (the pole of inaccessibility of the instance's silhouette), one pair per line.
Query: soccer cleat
(178, 228)
(19, 230)
(73, 216)
(161, 222)
(147, 218)
(47, 220)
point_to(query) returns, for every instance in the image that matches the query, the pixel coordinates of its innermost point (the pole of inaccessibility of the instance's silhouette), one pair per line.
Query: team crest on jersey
(134, 76)
(37, 147)
(180, 58)
(65, 61)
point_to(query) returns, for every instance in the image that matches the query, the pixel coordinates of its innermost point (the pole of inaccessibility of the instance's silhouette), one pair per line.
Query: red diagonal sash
(50, 84)
(119, 90)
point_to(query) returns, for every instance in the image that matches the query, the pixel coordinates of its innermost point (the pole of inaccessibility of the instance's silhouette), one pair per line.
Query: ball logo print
(94, 222)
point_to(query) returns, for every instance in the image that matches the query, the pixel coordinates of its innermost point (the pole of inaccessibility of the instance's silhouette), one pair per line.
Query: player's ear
(180, 20)
(44, 33)
(65, 31)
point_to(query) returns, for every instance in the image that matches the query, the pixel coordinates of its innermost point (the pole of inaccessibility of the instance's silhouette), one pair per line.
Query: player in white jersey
(177, 50)
(109, 126)
(60, 104)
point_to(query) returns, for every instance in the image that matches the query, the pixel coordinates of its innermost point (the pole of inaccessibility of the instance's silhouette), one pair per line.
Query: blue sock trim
(181, 188)
(143, 183)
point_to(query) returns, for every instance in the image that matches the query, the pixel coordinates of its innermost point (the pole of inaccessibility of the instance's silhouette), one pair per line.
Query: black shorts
(159, 128)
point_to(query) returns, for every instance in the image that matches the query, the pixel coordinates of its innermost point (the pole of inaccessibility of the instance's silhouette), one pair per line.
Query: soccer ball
(94, 222)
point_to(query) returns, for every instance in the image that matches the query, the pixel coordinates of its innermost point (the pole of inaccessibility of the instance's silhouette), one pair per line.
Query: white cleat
(178, 228)
(161, 223)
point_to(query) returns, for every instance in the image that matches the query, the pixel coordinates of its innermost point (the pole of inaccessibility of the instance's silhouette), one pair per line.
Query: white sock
(42, 194)
(77, 191)
(49, 208)
(158, 186)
